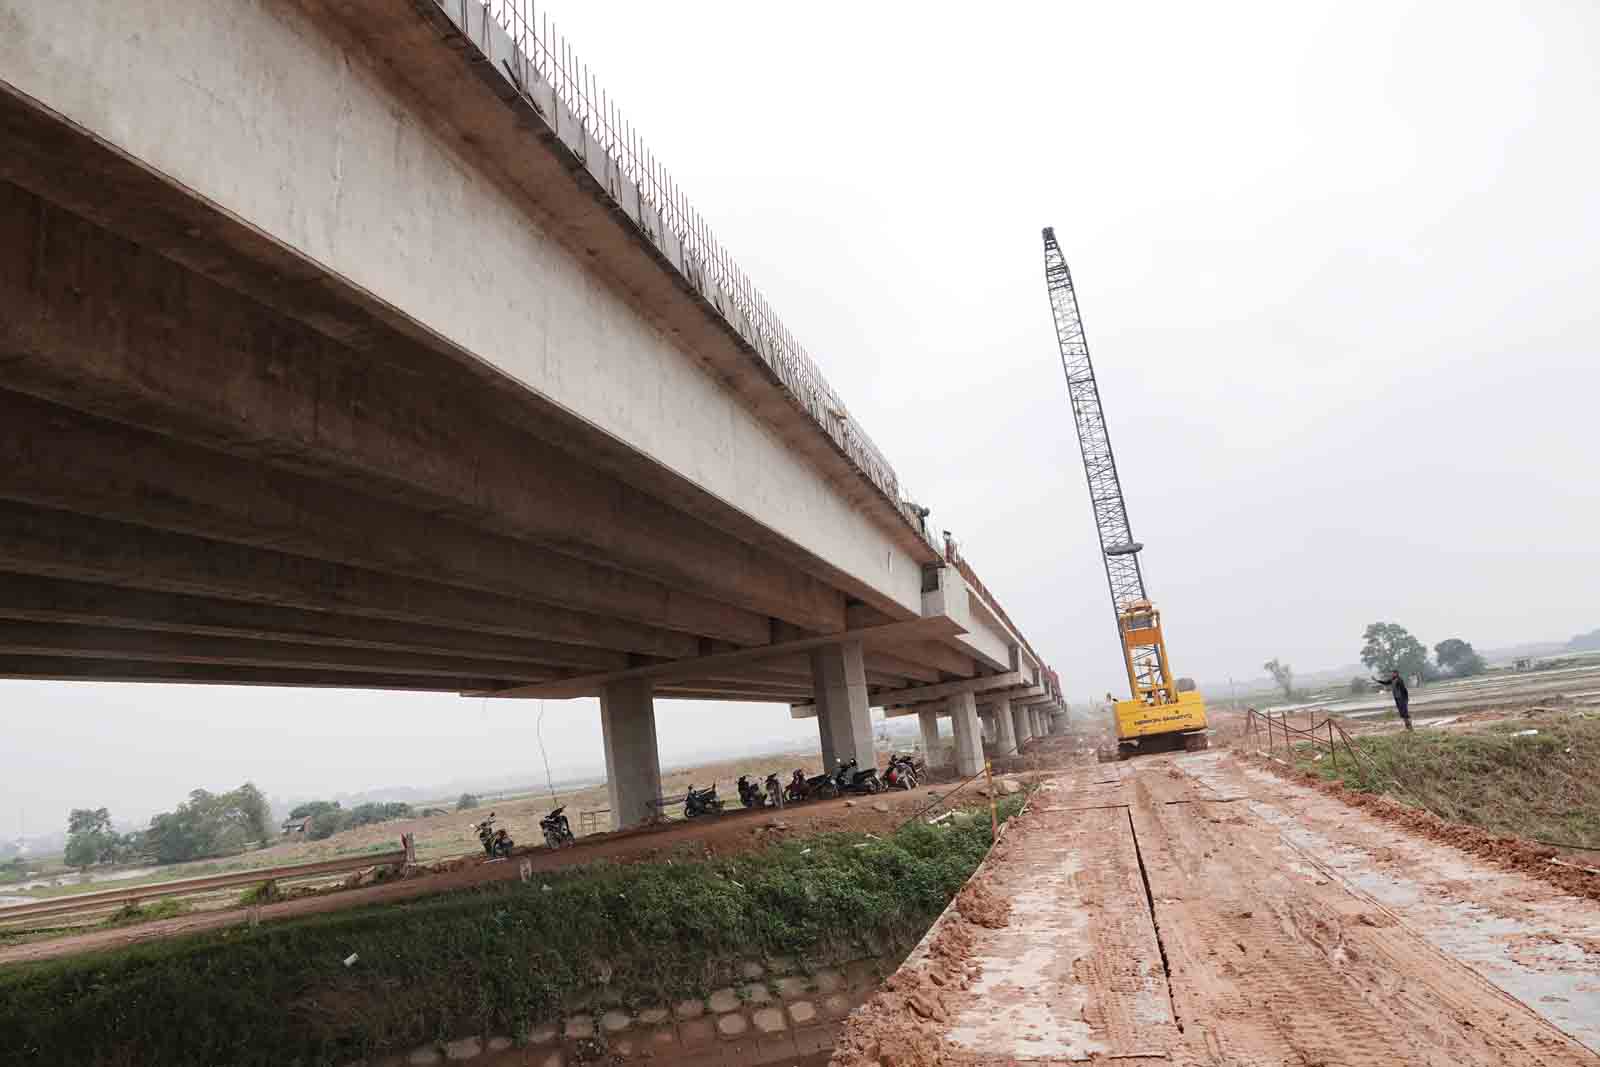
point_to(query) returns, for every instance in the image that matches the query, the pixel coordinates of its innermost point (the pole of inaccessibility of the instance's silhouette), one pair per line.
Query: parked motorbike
(750, 794)
(900, 774)
(847, 779)
(774, 790)
(557, 831)
(701, 802)
(497, 844)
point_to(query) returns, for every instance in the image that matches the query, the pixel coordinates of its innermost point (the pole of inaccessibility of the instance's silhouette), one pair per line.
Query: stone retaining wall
(774, 1011)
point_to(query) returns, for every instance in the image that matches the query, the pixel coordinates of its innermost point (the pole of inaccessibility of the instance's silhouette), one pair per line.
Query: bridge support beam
(1005, 728)
(633, 760)
(1021, 719)
(933, 751)
(844, 716)
(969, 737)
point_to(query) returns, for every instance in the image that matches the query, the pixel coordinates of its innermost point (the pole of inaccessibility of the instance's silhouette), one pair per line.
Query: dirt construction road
(1198, 910)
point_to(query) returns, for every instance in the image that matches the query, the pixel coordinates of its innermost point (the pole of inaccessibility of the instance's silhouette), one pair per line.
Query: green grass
(1543, 787)
(494, 959)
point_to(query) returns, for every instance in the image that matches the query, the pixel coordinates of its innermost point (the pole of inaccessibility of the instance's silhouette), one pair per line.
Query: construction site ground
(1200, 909)
(734, 831)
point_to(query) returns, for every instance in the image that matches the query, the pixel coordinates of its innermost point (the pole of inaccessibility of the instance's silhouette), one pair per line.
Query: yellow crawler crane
(1157, 717)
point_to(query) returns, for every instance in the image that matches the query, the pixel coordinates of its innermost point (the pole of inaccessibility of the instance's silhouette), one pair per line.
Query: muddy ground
(1198, 909)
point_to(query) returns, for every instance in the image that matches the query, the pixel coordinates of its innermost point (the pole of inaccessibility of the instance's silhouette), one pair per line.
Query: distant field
(444, 836)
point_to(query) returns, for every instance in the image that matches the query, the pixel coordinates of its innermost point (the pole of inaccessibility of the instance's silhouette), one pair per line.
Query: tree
(1390, 647)
(251, 809)
(90, 839)
(1457, 657)
(209, 824)
(1282, 675)
(327, 823)
(1359, 685)
(467, 801)
(312, 808)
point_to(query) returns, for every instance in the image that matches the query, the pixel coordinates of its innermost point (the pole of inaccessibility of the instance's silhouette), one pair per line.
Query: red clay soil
(729, 834)
(903, 1024)
(1505, 851)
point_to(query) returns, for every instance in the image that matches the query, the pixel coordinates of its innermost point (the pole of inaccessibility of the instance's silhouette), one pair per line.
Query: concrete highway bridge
(364, 344)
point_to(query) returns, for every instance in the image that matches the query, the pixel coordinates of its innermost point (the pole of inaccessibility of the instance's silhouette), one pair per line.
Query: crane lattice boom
(1138, 626)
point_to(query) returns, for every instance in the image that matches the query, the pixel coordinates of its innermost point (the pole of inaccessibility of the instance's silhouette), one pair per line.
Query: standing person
(1402, 695)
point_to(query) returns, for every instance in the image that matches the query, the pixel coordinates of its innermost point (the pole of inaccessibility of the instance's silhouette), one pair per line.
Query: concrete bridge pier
(933, 752)
(633, 760)
(1005, 727)
(844, 717)
(1022, 722)
(969, 736)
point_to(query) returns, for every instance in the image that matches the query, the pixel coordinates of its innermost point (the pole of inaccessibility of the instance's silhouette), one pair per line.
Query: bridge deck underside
(218, 466)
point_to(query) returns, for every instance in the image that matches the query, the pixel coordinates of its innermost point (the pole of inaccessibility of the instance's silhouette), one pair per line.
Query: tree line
(1390, 648)
(207, 824)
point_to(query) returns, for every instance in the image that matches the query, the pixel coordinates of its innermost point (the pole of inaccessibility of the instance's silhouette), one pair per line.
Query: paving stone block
(781, 964)
(466, 1048)
(769, 1021)
(793, 986)
(542, 1035)
(836, 1006)
(732, 1024)
(615, 1021)
(802, 1013)
(425, 1055)
(828, 981)
(653, 1016)
(756, 993)
(697, 1033)
(752, 970)
(497, 1044)
(580, 1027)
(724, 1000)
(689, 1009)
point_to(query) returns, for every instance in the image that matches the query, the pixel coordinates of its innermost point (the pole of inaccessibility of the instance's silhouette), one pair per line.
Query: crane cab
(1158, 715)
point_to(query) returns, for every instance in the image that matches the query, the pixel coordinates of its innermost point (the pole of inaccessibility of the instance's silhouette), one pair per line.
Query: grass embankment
(1544, 787)
(492, 960)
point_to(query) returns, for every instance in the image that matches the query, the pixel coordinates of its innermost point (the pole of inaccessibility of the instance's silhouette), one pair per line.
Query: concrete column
(969, 739)
(986, 722)
(1005, 737)
(825, 738)
(1039, 729)
(633, 762)
(1020, 720)
(933, 751)
(839, 679)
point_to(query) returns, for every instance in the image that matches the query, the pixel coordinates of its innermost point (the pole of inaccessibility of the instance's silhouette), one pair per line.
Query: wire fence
(544, 55)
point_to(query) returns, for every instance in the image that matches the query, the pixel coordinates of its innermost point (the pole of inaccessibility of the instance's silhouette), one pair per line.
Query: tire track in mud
(1273, 961)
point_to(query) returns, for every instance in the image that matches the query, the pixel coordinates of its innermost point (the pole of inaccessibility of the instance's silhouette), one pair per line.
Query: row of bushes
(496, 959)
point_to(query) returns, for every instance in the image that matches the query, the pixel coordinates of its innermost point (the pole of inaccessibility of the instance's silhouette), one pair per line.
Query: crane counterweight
(1157, 714)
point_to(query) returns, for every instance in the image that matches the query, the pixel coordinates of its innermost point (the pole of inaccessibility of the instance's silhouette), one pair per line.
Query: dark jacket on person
(1397, 685)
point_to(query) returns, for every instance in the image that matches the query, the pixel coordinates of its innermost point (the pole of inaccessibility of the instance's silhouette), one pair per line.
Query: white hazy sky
(1337, 263)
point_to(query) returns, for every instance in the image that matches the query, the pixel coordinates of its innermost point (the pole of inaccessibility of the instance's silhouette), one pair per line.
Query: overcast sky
(1337, 263)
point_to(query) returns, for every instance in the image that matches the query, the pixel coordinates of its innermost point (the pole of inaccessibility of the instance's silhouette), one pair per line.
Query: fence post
(994, 818)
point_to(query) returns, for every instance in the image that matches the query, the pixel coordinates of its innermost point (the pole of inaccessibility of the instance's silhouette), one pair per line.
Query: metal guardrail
(188, 887)
(543, 55)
